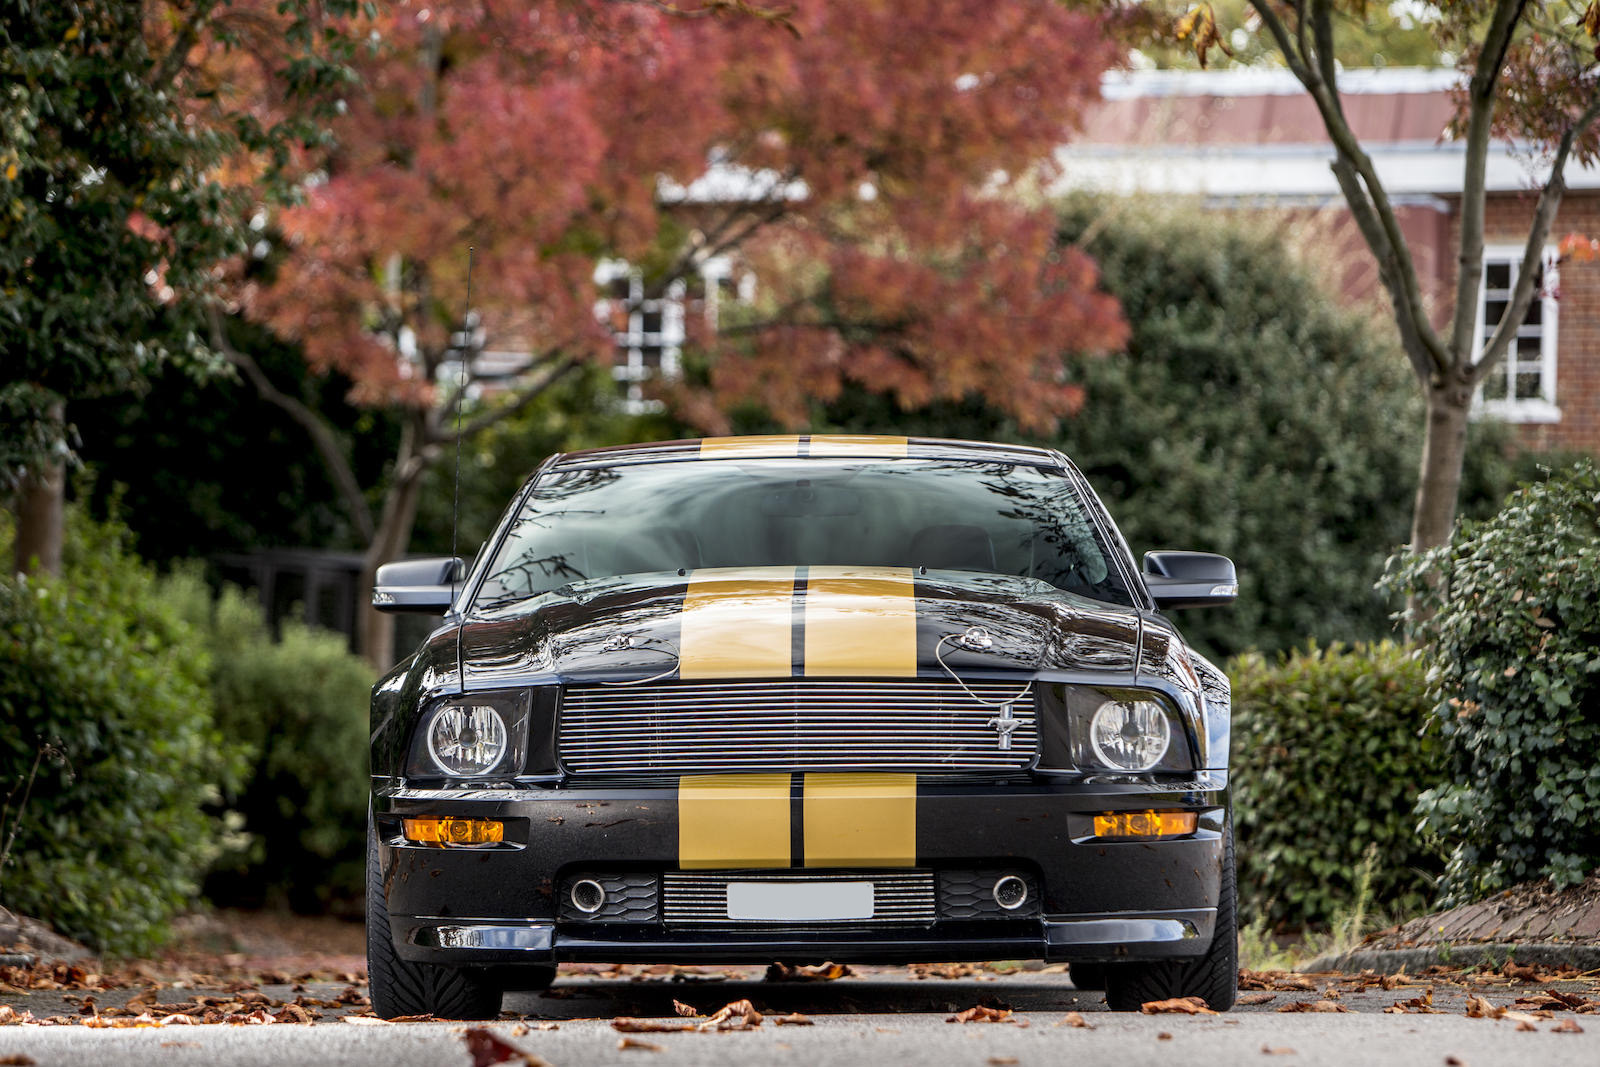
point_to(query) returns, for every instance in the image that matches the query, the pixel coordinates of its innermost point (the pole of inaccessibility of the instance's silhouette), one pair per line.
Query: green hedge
(1328, 756)
(1510, 615)
(298, 705)
(103, 689)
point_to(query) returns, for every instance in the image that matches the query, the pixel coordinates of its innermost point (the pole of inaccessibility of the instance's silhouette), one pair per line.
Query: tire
(399, 987)
(1087, 975)
(1213, 977)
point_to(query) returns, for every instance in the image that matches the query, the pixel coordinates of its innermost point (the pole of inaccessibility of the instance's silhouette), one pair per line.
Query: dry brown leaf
(17, 1059)
(1480, 1008)
(1163, 1036)
(488, 1048)
(1268, 1050)
(982, 1014)
(638, 1045)
(1390, 981)
(794, 1019)
(738, 1015)
(1523, 1024)
(1567, 1026)
(1074, 1020)
(1318, 1006)
(684, 1010)
(1176, 1006)
(1257, 998)
(652, 1026)
(1002, 1061)
(822, 972)
(364, 1020)
(1454, 1061)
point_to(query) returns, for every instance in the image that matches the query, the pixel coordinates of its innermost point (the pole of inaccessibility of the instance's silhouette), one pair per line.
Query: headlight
(1130, 735)
(1087, 729)
(472, 735)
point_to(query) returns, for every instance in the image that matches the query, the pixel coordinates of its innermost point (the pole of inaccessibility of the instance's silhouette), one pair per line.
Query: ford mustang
(803, 698)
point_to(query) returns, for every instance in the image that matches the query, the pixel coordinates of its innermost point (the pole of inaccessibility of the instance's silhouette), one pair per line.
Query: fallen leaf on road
(18, 1060)
(1454, 1061)
(739, 1015)
(1391, 981)
(177, 1020)
(1566, 1026)
(1525, 1025)
(1002, 1061)
(488, 1048)
(1422, 1005)
(822, 972)
(1318, 1006)
(1268, 1050)
(425, 1018)
(1176, 1006)
(982, 1014)
(1257, 998)
(625, 1043)
(943, 970)
(684, 1010)
(794, 1019)
(652, 1026)
(364, 1020)
(1073, 1019)
(1163, 1036)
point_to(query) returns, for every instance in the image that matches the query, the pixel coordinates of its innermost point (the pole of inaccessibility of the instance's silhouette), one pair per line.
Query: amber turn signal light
(448, 832)
(1145, 823)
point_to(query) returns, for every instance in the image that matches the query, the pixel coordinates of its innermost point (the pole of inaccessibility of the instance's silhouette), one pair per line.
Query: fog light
(1145, 823)
(455, 833)
(1011, 892)
(588, 896)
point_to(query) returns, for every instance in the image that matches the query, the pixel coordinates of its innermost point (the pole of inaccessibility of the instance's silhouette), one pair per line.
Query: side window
(1523, 388)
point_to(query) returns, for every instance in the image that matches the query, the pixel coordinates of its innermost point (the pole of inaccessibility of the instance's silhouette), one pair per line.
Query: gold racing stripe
(749, 447)
(733, 820)
(872, 445)
(737, 623)
(861, 622)
(860, 820)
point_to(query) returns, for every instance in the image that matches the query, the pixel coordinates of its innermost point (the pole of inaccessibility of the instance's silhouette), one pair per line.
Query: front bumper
(1096, 899)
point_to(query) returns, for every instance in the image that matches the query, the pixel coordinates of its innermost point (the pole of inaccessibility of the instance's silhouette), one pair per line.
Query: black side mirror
(1190, 579)
(425, 586)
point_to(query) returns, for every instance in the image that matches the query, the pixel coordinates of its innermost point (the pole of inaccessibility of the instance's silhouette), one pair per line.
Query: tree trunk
(1444, 447)
(389, 542)
(41, 499)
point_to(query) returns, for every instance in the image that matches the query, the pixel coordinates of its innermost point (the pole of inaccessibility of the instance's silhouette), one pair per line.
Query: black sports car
(864, 699)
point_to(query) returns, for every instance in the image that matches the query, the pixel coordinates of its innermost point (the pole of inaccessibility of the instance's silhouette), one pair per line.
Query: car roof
(810, 446)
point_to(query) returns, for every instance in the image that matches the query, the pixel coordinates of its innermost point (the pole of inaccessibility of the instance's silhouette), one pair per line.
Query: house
(1251, 139)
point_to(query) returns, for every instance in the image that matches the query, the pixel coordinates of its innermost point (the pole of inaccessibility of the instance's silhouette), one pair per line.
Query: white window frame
(1510, 408)
(629, 366)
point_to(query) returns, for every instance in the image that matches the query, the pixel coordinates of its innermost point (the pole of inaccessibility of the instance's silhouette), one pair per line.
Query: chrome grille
(799, 725)
(899, 898)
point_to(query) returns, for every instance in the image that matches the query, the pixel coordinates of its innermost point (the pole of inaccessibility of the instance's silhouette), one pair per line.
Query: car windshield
(996, 518)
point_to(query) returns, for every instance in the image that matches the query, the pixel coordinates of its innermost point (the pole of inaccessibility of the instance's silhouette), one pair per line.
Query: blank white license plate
(799, 901)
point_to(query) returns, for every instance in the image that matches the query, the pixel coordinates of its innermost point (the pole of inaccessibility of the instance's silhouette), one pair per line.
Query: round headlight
(467, 740)
(1130, 735)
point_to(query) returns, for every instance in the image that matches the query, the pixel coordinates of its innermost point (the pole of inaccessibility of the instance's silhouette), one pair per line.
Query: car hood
(859, 622)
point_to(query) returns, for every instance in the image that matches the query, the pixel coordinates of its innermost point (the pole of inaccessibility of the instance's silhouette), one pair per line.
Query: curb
(1584, 957)
(15, 959)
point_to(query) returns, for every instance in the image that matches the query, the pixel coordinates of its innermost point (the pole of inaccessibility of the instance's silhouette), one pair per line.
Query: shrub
(298, 705)
(105, 709)
(1510, 612)
(1328, 756)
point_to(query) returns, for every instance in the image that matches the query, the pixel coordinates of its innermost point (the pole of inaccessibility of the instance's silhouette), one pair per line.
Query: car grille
(800, 725)
(899, 898)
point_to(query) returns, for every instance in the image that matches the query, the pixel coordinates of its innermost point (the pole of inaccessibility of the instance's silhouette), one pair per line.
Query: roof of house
(1253, 132)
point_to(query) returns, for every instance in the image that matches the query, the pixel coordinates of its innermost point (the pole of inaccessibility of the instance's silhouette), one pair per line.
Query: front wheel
(399, 987)
(1213, 977)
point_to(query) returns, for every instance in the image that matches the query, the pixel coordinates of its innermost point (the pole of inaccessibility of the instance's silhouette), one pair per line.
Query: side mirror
(1190, 579)
(426, 586)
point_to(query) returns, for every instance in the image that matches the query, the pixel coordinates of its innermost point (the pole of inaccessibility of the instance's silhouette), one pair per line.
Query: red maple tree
(870, 164)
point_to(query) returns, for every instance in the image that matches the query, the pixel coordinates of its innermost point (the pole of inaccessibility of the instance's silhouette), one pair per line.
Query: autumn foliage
(860, 158)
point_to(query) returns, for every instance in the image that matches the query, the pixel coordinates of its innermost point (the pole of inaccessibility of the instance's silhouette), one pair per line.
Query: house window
(649, 326)
(1523, 387)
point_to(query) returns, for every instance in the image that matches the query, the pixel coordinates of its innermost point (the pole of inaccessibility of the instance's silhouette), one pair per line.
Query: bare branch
(178, 54)
(322, 436)
(524, 396)
(1480, 123)
(1280, 36)
(1544, 214)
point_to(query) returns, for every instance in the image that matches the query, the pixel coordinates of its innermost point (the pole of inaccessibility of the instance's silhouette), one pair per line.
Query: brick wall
(1578, 332)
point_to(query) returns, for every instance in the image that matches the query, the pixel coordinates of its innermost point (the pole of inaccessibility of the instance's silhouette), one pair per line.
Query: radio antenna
(461, 396)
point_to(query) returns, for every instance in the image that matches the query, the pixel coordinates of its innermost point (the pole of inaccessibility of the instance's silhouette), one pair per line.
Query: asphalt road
(882, 1019)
